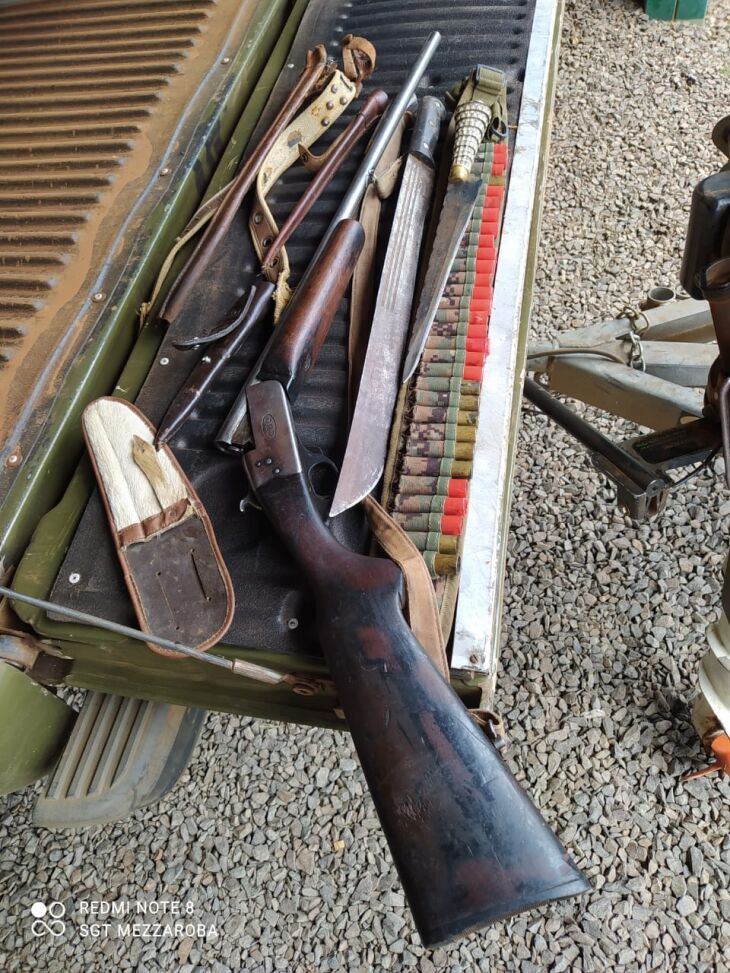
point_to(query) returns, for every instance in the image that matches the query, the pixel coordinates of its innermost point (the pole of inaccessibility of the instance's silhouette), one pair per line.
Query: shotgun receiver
(469, 845)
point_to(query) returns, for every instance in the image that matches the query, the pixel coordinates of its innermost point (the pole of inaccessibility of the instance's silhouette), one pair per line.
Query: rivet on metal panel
(74, 578)
(14, 458)
(293, 623)
(165, 171)
(164, 361)
(99, 296)
(226, 60)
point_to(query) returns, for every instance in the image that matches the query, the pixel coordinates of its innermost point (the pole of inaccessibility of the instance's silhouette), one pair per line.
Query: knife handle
(426, 128)
(294, 346)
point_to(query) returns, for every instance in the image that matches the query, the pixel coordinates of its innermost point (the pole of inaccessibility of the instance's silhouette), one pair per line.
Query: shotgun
(469, 845)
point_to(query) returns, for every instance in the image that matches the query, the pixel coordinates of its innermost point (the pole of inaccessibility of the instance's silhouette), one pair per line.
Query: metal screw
(13, 459)
(74, 578)
(164, 361)
(474, 658)
(99, 296)
(293, 623)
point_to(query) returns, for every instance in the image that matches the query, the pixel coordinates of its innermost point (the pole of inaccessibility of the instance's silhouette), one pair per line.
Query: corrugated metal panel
(91, 94)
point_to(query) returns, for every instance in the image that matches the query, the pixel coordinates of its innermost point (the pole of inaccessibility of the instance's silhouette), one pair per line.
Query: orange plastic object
(720, 746)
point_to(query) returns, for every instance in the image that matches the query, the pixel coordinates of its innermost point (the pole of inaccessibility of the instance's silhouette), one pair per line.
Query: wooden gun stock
(469, 845)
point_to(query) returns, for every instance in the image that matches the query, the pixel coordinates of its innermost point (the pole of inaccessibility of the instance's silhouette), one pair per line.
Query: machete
(364, 459)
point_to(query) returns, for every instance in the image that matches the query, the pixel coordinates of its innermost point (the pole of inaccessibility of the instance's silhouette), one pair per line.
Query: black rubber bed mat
(269, 591)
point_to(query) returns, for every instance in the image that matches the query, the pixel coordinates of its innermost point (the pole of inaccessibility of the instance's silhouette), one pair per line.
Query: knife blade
(454, 219)
(367, 445)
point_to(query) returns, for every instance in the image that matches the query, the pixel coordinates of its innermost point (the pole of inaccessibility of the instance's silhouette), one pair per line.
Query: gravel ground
(271, 834)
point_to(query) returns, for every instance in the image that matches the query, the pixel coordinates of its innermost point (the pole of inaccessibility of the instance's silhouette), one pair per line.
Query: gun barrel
(350, 202)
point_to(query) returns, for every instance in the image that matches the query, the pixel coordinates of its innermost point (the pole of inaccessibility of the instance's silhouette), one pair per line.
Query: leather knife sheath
(170, 559)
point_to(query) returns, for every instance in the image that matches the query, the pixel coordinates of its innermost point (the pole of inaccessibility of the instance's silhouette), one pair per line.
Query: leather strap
(306, 128)
(358, 56)
(423, 613)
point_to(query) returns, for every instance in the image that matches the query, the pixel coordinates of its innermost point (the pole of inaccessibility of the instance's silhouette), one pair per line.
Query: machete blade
(453, 221)
(367, 445)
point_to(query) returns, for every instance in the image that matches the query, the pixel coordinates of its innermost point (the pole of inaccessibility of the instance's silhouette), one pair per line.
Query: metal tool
(235, 433)
(368, 442)
(714, 282)
(237, 666)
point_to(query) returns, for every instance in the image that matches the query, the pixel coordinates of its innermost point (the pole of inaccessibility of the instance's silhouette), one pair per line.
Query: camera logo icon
(48, 919)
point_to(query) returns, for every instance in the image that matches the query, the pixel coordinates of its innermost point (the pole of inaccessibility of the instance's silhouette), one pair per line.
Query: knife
(473, 117)
(453, 221)
(367, 444)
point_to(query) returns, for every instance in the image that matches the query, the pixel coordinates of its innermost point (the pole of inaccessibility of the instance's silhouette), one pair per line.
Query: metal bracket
(26, 653)
(672, 344)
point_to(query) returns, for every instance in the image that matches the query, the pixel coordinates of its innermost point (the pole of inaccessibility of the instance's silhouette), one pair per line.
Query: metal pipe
(348, 208)
(658, 296)
(238, 666)
(588, 435)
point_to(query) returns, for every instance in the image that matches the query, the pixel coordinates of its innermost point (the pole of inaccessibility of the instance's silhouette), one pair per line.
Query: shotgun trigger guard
(249, 502)
(316, 461)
